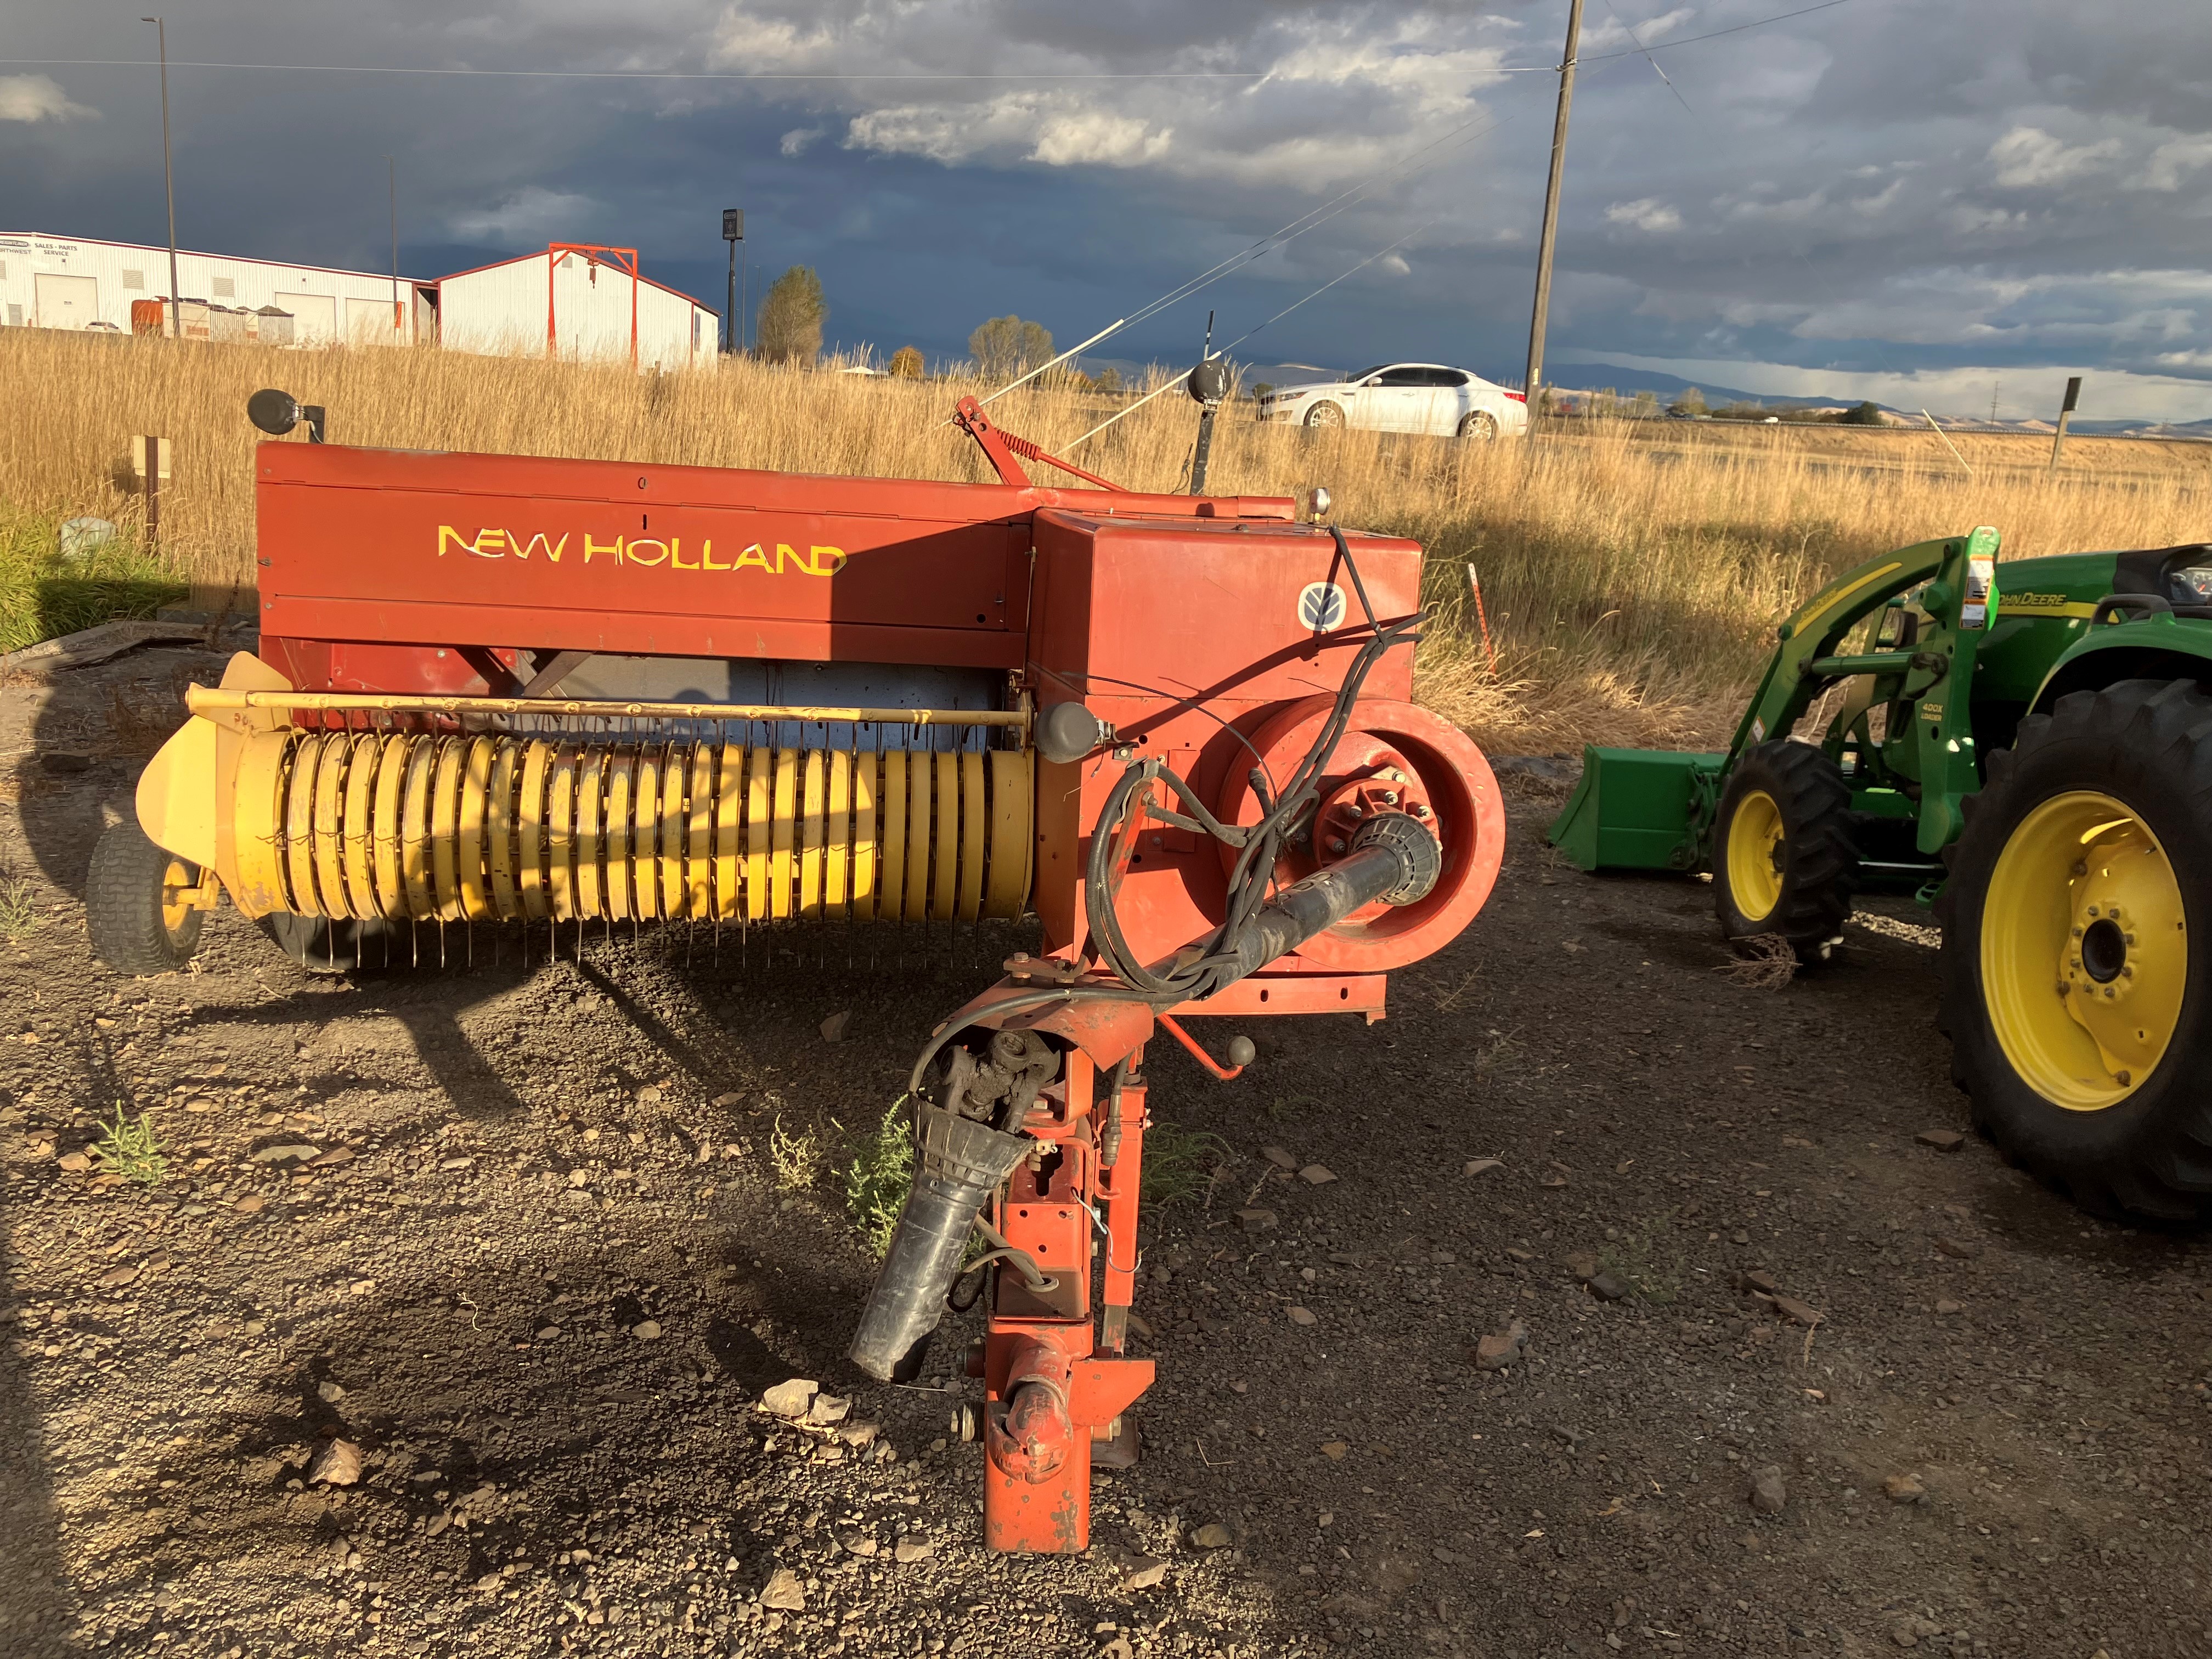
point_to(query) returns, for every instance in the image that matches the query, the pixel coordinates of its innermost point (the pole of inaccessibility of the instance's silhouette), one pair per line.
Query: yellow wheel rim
(2084, 950)
(178, 879)
(1754, 856)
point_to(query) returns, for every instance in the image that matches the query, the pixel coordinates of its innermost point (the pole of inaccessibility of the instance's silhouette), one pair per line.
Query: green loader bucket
(1631, 810)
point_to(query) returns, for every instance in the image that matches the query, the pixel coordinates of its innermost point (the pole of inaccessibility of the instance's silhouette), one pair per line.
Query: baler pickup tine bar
(208, 700)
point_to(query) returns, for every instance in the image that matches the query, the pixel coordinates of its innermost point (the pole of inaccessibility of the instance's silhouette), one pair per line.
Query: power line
(1715, 35)
(851, 74)
(670, 74)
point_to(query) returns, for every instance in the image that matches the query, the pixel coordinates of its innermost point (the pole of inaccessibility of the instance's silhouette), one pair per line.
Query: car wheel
(1330, 414)
(1481, 426)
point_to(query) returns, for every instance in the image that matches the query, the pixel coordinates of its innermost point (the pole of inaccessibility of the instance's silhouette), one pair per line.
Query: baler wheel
(131, 903)
(320, 944)
(2071, 971)
(1785, 863)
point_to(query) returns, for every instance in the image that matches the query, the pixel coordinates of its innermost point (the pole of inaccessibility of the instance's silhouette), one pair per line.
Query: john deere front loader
(2029, 748)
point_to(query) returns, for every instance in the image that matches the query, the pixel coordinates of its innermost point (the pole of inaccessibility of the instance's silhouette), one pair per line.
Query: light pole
(168, 179)
(733, 232)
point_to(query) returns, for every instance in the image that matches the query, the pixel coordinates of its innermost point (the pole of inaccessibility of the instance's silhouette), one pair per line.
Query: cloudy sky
(1916, 202)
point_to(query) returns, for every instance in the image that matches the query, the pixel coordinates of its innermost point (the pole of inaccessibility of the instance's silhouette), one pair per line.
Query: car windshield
(1353, 379)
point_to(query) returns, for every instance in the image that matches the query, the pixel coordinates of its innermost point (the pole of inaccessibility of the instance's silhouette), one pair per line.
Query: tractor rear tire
(134, 929)
(2077, 950)
(1784, 864)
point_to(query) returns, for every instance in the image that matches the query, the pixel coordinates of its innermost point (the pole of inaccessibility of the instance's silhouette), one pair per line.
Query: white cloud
(1394, 263)
(2170, 160)
(38, 98)
(532, 214)
(765, 44)
(2028, 158)
(1615, 33)
(1646, 213)
(795, 142)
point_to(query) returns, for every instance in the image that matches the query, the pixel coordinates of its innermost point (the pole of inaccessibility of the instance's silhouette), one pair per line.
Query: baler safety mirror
(275, 412)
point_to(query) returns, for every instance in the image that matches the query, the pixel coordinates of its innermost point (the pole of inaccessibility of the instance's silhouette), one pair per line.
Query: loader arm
(1638, 809)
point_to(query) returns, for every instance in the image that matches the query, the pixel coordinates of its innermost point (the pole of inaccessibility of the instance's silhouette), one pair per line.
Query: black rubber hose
(961, 1163)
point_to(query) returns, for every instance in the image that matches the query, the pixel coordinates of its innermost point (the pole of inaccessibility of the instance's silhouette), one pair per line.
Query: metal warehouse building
(75, 282)
(575, 300)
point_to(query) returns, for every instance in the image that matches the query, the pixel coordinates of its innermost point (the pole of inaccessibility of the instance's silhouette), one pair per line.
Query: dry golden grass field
(1632, 571)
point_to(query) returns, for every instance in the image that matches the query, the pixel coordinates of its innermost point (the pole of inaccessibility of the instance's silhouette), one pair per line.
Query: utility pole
(1534, 382)
(169, 179)
(391, 181)
(733, 232)
(2066, 411)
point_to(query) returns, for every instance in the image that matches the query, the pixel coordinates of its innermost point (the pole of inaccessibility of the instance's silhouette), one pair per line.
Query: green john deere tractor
(2035, 762)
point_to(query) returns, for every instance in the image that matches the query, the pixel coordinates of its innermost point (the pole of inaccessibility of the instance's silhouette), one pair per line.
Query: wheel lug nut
(2077, 932)
(2092, 909)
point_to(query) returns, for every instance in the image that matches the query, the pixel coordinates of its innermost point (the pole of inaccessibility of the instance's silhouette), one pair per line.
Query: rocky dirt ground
(514, 1232)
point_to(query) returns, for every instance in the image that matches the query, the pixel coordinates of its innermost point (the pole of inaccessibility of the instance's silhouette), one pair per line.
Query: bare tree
(906, 364)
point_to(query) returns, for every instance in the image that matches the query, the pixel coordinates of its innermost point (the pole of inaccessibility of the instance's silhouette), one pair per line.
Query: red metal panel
(394, 546)
(1144, 619)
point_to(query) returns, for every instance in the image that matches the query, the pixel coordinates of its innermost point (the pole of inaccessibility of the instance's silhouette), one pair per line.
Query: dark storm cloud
(1882, 196)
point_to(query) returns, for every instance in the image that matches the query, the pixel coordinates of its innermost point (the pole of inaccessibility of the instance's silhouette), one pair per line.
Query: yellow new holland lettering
(752, 559)
(592, 547)
(553, 549)
(636, 558)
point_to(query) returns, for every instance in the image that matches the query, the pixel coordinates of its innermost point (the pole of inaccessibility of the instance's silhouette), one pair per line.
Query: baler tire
(123, 907)
(2125, 1145)
(318, 944)
(1815, 859)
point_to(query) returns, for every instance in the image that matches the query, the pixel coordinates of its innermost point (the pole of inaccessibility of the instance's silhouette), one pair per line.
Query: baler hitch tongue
(1638, 809)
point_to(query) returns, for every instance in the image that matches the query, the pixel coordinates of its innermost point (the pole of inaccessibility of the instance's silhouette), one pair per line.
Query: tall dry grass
(1633, 573)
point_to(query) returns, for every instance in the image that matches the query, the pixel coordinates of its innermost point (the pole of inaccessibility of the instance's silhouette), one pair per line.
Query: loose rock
(1496, 1352)
(645, 1330)
(790, 1399)
(1475, 1166)
(911, 1549)
(834, 1028)
(1943, 1141)
(783, 1592)
(336, 1464)
(1607, 1286)
(1316, 1174)
(1301, 1316)
(1962, 1249)
(1211, 1536)
(1279, 1158)
(1906, 1489)
(1768, 1495)
(1144, 1572)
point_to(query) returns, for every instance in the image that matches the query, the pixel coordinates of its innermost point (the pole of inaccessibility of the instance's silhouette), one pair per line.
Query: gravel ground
(1796, 1371)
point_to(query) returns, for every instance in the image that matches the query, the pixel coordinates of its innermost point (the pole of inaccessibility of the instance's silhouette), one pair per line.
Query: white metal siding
(502, 309)
(253, 283)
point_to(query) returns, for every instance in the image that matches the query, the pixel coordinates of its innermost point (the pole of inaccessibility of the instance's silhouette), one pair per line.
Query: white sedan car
(1429, 398)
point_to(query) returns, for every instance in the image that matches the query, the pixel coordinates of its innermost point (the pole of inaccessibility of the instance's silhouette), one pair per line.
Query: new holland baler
(1177, 731)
